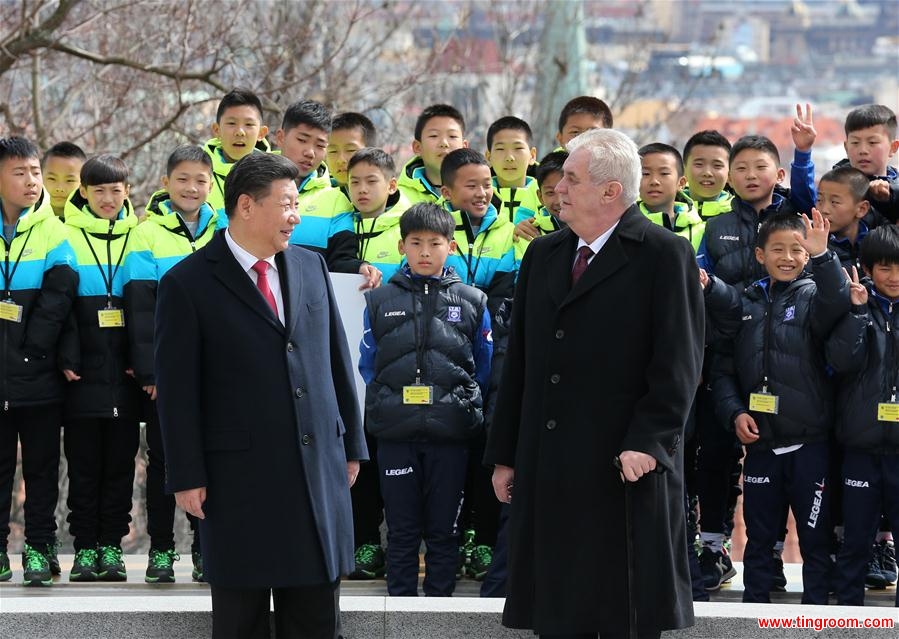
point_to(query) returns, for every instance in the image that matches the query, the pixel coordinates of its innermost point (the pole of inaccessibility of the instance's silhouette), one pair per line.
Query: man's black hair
(870, 115)
(586, 104)
(64, 150)
(309, 112)
(551, 163)
(253, 175)
(104, 169)
(880, 246)
(708, 137)
(352, 120)
(375, 157)
(659, 148)
(238, 97)
(779, 222)
(757, 143)
(18, 147)
(508, 123)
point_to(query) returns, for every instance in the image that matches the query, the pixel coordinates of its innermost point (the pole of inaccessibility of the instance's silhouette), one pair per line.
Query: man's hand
(352, 472)
(879, 190)
(703, 279)
(858, 294)
(747, 429)
(70, 375)
(503, 477)
(635, 464)
(526, 229)
(372, 276)
(191, 501)
(151, 391)
(803, 129)
(817, 232)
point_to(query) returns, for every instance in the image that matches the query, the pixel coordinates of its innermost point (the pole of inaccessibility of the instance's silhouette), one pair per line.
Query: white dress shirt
(247, 260)
(595, 245)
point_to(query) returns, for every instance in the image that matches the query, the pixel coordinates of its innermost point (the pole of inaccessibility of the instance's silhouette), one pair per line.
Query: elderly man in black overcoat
(259, 417)
(603, 361)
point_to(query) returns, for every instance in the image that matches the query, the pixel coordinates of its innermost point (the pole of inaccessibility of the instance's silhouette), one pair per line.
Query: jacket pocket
(226, 440)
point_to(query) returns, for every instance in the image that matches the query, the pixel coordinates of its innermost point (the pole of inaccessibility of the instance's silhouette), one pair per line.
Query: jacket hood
(41, 210)
(159, 211)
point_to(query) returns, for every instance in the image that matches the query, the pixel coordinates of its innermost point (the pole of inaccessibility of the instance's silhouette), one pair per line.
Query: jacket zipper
(7, 249)
(109, 334)
(766, 340)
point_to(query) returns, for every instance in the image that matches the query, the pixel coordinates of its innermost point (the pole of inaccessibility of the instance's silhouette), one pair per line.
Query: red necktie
(261, 268)
(580, 264)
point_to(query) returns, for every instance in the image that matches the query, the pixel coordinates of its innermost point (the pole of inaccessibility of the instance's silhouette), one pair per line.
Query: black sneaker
(5, 570)
(481, 558)
(370, 562)
(197, 573)
(779, 580)
(112, 566)
(875, 578)
(716, 568)
(86, 566)
(53, 557)
(160, 566)
(36, 568)
(888, 561)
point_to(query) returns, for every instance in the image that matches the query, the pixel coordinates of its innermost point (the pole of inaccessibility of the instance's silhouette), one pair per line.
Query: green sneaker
(36, 568)
(86, 566)
(369, 562)
(197, 573)
(465, 551)
(112, 566)
(53, 557)
(5, 570)
(160, 567)
(481, 558)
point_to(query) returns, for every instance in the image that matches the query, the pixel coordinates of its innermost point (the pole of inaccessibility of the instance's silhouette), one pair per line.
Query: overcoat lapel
(228, 272)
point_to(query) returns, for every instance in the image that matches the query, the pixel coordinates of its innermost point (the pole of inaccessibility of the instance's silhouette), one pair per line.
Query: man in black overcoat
(603, 361)
(260, 422)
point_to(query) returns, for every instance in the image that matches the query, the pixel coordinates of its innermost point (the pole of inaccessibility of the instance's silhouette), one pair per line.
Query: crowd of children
(801, 369)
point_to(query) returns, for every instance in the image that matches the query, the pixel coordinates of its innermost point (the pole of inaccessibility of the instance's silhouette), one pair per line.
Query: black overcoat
(264, 415)
(609, 365)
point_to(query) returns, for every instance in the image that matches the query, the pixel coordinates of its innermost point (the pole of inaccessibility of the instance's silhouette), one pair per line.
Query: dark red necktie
(261, 268)
(580, 264)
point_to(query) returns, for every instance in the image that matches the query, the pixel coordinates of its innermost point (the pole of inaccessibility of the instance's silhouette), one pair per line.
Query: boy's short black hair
(659, 148)
(551, 163)
(709, 137)
(871, 115)
(309, 112)
(857, 181)
(64, 150)
(455, 160)
(779, 222)
(376, 157)
(352, 120)
(509, 123)
(187, 153)
(586, 104)
(427, 216)
(104, 169)
(437, 111)
(253, 175)
(880, 246)
(757, 143)
(18, 147)
(238, 97)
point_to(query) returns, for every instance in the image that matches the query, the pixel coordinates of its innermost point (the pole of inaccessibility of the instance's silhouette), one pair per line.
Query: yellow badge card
(764, 403)
(111, 318)
(888, 412)
(418, 394)
(10, 311)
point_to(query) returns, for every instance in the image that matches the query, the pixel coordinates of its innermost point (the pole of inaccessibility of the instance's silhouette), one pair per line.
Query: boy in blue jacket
(864, 351)
(425, 356)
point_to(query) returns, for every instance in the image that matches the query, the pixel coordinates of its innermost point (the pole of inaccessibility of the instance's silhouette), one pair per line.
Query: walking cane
(628, 529)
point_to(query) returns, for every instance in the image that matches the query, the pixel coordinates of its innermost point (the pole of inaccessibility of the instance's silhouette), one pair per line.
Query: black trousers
(481, 509)
(160, 506)
(422, 484)
(307, 612)
(37, 428)
(368, 505)
(100, 452)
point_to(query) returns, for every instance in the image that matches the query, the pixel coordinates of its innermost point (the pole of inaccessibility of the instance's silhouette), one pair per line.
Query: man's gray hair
(613, 156)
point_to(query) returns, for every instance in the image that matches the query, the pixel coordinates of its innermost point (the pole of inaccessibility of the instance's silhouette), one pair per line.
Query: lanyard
(421, 338)
(363, 236)
(112, 271)
(472, 240)
(7, 275)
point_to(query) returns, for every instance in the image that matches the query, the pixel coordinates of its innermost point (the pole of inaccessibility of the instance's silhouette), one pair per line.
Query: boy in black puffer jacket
(425, 356)
(774, 389)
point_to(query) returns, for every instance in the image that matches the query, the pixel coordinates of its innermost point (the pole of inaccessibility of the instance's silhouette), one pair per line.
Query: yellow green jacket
(518, 203)
(414, 184)
(221, 168)
(687, 222)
